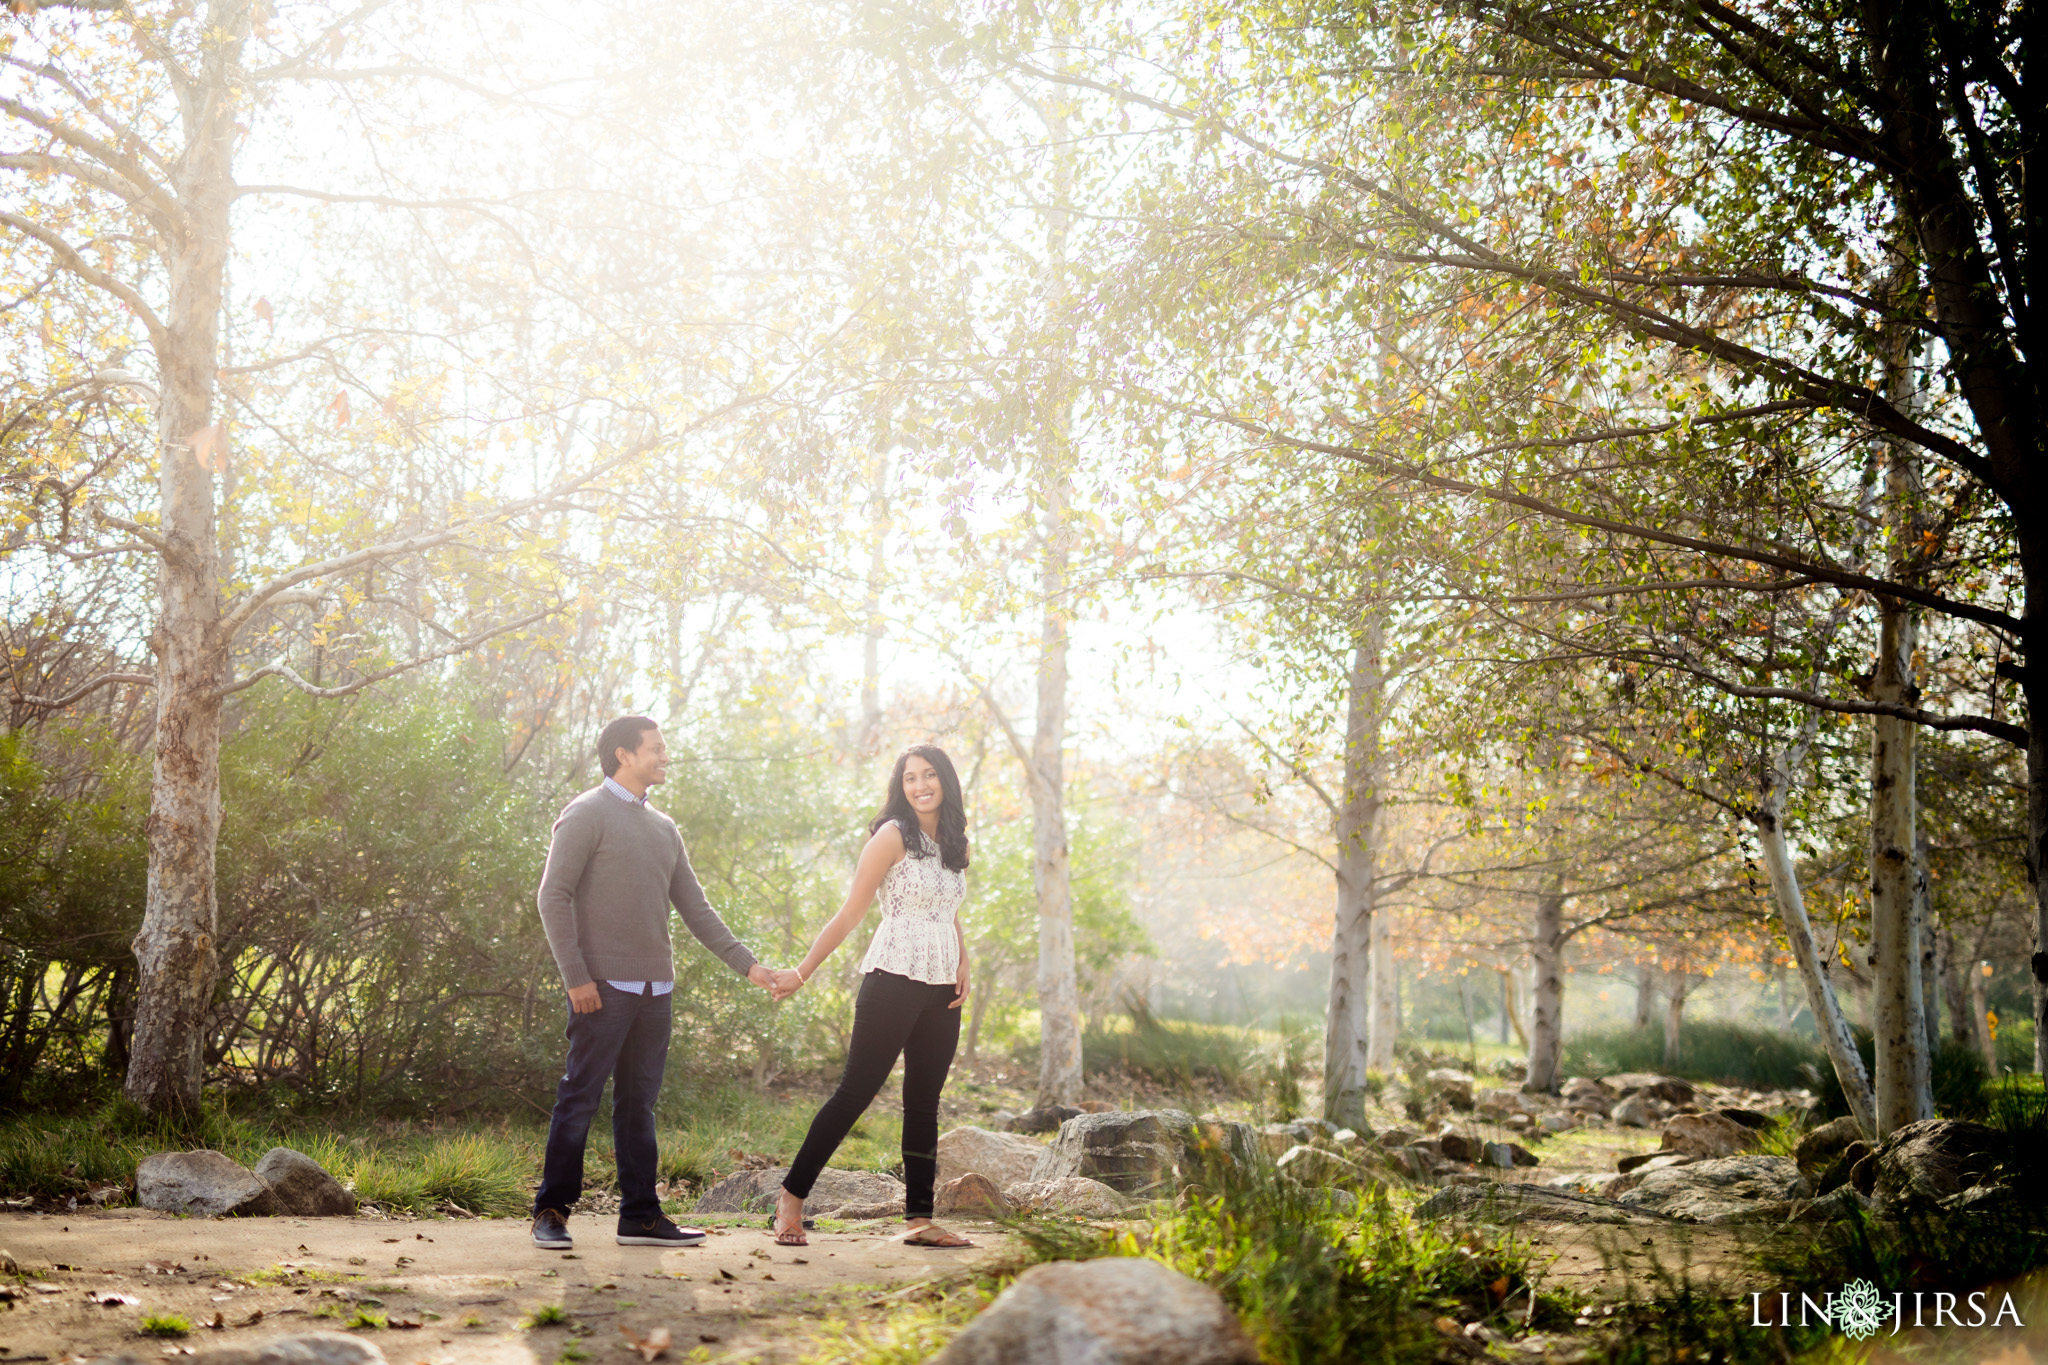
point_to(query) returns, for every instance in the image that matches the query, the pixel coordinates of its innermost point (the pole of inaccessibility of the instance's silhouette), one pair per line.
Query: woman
(914, 978)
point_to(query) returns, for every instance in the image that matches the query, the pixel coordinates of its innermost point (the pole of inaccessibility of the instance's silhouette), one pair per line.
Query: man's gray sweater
(614, 868)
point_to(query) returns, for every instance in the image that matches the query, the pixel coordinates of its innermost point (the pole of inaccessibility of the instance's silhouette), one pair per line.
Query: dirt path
(470, 1285)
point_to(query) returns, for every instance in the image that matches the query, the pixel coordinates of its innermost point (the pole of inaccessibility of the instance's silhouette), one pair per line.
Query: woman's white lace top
(919, 898)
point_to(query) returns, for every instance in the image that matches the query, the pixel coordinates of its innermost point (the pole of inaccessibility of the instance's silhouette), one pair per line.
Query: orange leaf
(654, 1344)
(210, 447)
(262, 310)
(339, 407)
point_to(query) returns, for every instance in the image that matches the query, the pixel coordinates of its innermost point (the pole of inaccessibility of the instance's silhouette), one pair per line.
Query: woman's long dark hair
(896, 809)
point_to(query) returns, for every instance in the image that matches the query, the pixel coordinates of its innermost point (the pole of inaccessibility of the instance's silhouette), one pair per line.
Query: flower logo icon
(1859, 1309)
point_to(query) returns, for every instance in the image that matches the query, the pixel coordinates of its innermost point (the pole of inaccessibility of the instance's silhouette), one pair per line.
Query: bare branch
(84, 688)
(67, 256)
(281, 669)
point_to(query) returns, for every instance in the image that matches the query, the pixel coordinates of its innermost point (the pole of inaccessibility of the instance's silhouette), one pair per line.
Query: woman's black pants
(893, 1017)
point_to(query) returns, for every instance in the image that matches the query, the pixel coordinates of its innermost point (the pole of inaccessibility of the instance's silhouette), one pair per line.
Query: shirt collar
(616, 790)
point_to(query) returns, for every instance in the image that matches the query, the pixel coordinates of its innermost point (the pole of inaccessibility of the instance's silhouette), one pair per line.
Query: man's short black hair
(623, 733)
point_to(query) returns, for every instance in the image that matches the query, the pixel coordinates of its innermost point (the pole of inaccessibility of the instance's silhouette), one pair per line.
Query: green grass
(1714, 1050)
(487, 1168)
(166, 1325)
(547, 1315)
(1311, 1283)
(364, 1318)
(1175, 1054)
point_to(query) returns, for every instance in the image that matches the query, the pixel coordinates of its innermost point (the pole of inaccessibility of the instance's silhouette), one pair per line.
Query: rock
(1585, 1087)
(1494, 1202)
(1639, 1111)
(1146, 1152)
(310, 1348)
(1819, 1147)
(1422, 1159)
(203, 1183)
(1748, 1118)
(1318, 1167)
(1395, 1138)
(863, 1213)
(1005, 1158)
(8, 1265)
(1276, 1138)
(1710, 1134)
(303, 1186)
(1654, 1161)
(1069, 1194)
(1507, 1155)
(1352, 1137)
(1730, 1189)
(970, 1193)
(1669, 1089)
(1924, 1163)
(1863, 1173)
(1836, 1206)
(1614, 1186)
(834, 1196)
(1113, 1311)
(1001, 1120)
(1043, 1120)
(1557, 1123)
(1458, 1147)
(1838, 1171)
(1453, 1087)
(1094, 1106)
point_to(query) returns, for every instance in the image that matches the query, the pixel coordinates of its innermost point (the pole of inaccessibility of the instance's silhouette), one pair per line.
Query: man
(615, 865)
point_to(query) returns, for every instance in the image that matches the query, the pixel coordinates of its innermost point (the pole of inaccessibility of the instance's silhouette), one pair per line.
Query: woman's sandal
(939, 1238)
(790, 1237)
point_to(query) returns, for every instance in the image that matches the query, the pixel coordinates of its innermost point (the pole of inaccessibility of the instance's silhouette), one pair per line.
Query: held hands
(780, 982)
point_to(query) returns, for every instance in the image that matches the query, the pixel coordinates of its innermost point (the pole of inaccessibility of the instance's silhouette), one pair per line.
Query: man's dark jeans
(625, 1042)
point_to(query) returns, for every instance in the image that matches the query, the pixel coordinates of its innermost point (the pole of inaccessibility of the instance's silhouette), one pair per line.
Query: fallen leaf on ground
(406, 1324)
(220, 1320)
(42, 1288)
(725, 1274)
(252, 1319)
(106, 1298)
(162, 1268)
(651, 1346)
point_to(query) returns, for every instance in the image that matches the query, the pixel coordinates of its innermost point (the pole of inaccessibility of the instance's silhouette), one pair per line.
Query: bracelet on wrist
(800, 975)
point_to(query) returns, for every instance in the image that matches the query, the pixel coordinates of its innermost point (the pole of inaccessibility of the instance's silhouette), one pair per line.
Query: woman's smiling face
(921, 786)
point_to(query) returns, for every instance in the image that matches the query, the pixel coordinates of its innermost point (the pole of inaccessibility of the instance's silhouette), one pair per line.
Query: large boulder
(1924, 1163)
(1145, 1152)
(1639, 1110)
(1072, 1194)
(972, 1194)
(1043, 1120)
(1452, 1086)
(836, 1193)
(204, 1184)
(1709, 1134)
(1113, 1311)
(1669, 1089)
(1005, 1158)
(308, 1348)
(1734, 1189)
(1819, 1147)
(1518, 1202)
(303, 1186)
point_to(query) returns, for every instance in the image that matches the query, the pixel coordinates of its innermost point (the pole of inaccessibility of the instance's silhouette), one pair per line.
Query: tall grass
(1310, 1280)
(1713, 1050)
(482, 1168)
(1174, 1054)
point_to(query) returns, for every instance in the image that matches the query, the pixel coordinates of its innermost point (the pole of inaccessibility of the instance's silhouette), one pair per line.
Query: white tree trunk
(1546, 951)
(1059, 998)
(174, 950)
(1386, 994)
(1836, 1037)
(1646, 993)
(1902, 1064)
(1677, 985)
(1348, 1022)
(1930, 973)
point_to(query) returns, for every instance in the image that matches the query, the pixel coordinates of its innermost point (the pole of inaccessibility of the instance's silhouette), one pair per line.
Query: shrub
(1178, 1055)
(1714, 1050)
